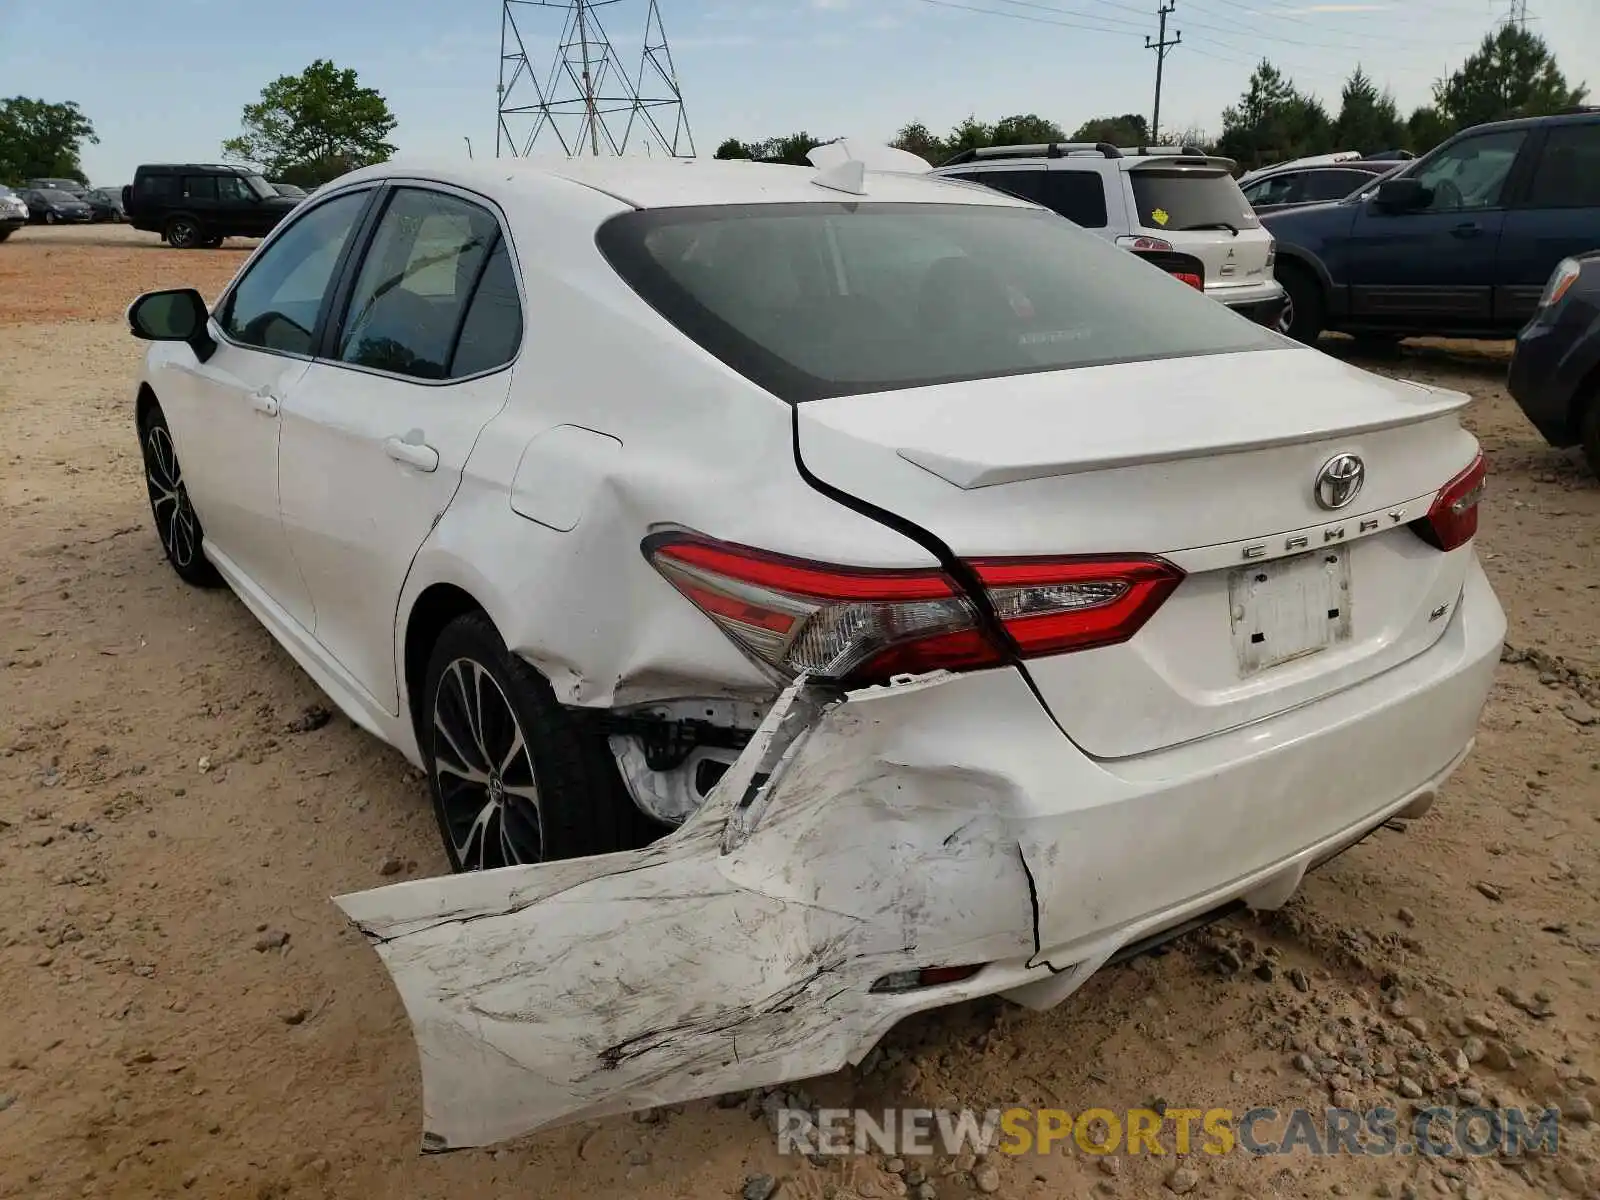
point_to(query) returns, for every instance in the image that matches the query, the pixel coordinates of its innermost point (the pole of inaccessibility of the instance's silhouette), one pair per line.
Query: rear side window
(410, 299)
(493, 329)
(158, 187)
(1183, 198)
(1568, 174)
(825, 299)
(199, 187)
(1079, 196)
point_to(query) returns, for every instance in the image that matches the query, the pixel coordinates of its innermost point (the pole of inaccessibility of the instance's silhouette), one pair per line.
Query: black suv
(1458, 243)
(198, 204)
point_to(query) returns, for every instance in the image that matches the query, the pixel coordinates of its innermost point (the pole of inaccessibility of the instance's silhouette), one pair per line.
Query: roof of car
(676, 183)
(220, 168)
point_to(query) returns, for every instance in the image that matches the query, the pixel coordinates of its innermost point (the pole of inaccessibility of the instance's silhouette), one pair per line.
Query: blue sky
(166, 79)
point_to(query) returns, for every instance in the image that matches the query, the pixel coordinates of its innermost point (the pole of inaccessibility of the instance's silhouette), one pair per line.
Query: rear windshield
(826, 299)
(1179, 199)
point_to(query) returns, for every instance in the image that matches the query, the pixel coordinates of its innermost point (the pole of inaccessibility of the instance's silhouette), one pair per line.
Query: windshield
(57, 196)
(825, 299)
(260, 187)
(1183, 198)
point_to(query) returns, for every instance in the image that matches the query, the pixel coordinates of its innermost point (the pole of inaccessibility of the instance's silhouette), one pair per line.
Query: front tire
(1589, 431)
(515, 777)
(184, 233)
(49, 218)
(177, 525)
(1305, 312)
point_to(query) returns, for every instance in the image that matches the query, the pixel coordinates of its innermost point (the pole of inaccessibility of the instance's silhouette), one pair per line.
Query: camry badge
(1339, 481)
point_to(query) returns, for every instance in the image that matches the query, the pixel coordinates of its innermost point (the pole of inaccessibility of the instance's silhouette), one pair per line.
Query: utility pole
(588, 82)
(1162, 47)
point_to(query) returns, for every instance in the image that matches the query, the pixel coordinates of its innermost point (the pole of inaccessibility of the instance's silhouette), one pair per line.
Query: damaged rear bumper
(943, 821)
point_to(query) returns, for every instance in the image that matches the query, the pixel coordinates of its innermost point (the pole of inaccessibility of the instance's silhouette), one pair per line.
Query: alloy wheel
(483, 769)
(1286, 316)
(169, 500)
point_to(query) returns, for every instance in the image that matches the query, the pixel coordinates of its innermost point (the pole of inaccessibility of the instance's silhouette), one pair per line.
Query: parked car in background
(288, 189)
(1555, 371)
(1163, 200)
(105, 203)
(988, 607)
(1459, 242)
(194, 205)
(70, 186)
(13, 212)
(1279, 187)
(47, 206)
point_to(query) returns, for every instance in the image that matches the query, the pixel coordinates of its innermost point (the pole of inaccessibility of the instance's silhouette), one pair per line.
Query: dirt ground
(169, 795)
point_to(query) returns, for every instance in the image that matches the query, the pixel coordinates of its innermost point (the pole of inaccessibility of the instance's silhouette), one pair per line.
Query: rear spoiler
(1198, 159)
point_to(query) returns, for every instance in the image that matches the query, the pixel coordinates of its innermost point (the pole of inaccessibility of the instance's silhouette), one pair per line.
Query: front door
(376, 434)
(263, 329)
(1436, 264)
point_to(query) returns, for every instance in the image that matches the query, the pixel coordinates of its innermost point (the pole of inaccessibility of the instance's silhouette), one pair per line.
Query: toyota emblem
(1340, 480)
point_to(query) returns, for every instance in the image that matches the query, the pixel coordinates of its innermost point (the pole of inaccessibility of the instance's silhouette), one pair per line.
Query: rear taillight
(1190, 278)
(860, 625)
(1452, 519)
(1143, 242)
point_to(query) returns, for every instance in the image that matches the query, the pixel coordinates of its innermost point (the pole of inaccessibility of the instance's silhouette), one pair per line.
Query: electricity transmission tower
(586, 102)
(1162, 47)
(1519, 14)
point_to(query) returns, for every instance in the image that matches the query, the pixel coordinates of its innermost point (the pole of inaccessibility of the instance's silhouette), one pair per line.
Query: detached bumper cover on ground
(939, 822)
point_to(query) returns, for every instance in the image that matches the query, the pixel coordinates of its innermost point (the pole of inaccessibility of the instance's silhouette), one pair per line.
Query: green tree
(1025, 129)
(314, 126)
(917, 139)
(1512, 74)
(38, 138)
(733, 148)
(1130, 129)
(1273, 121)
(1425, 129)
(971, 134)
(1368, 119)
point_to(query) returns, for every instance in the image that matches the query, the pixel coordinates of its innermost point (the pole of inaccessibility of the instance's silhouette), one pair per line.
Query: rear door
(1436, 265)
(1558, 216)
(376, 434)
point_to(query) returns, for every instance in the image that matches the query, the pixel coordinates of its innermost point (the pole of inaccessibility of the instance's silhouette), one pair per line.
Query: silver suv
(1178, 206)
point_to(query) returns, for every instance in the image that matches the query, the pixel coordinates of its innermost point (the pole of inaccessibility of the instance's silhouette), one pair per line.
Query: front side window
(1470, 174)
(275, 305)
(231, 189)
(1177, 199)
(824, 299)
(412, 293)
(1568, 175)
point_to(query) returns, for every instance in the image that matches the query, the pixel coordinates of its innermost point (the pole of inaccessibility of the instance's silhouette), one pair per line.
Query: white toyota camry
(821, 593)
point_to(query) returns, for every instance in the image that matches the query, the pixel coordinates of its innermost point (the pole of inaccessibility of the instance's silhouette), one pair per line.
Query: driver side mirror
(178, 315)
(1402, 195)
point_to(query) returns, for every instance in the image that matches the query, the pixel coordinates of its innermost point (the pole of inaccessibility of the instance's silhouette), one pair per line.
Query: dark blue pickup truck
(1458, 243)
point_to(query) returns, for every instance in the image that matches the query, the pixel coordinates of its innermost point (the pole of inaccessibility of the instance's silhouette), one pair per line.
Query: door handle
(412, 451)
(1467, 229)
(264, 402)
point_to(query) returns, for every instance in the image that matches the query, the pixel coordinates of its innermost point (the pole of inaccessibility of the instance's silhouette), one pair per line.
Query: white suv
(1161, 202)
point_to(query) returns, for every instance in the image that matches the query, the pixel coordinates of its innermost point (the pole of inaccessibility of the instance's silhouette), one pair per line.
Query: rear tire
(177, 525)
(515, 776)
(1306, 310)
(184, 233)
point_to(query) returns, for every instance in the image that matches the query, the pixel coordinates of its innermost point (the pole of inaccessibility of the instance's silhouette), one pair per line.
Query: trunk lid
(1210, 462)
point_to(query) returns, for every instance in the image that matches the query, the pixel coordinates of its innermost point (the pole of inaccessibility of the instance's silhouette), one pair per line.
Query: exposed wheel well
(435, 608)
(1585, 394)
(143, 406)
